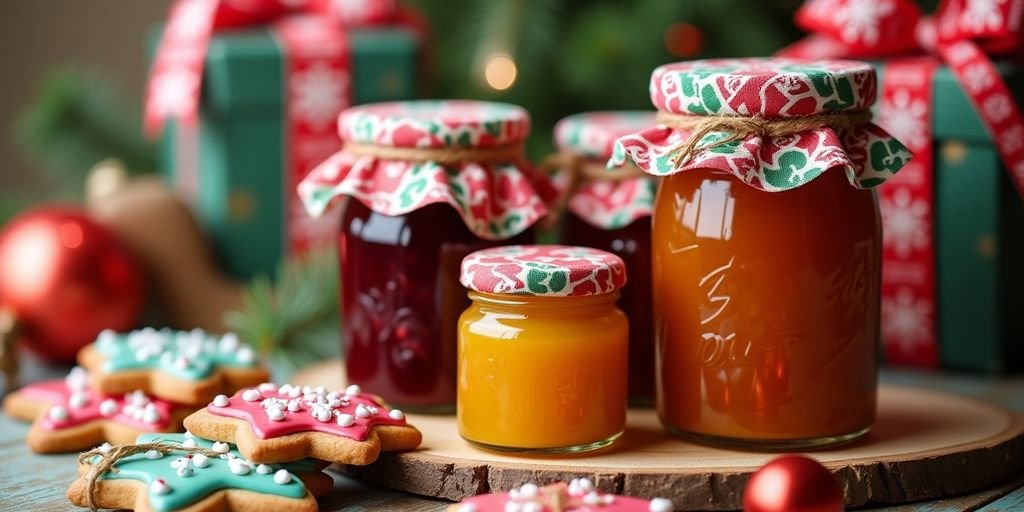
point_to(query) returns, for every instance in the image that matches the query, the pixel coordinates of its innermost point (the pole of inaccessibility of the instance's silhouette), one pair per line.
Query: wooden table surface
(30, 482)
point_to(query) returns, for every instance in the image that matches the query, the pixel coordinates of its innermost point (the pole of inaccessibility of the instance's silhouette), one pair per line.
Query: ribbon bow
(962, 34)
(176, 75)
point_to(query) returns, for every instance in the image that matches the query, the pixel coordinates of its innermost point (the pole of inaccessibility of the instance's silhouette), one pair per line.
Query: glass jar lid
(543, 271)
(435, 124)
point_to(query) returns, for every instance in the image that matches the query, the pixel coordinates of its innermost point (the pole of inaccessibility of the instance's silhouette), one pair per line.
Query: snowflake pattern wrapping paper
(769, 89)
(496, 200)
(606, 204)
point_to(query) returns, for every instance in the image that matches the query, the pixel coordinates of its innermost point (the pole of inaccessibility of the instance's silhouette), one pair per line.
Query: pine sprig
(77, 119)
(294, 321)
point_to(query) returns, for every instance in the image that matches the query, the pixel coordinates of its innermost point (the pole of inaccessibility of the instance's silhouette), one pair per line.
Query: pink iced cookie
(272, 424)
(578, 496)
(69, 416)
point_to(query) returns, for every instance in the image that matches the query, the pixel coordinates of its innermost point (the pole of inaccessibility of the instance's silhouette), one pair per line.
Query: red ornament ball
(793, 483)
(66, 278)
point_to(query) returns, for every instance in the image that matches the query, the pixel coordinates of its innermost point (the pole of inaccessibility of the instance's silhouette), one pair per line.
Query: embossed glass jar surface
(766, 310)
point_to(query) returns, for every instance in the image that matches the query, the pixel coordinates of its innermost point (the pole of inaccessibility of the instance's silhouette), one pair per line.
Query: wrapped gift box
(234, 169)
(978, 227)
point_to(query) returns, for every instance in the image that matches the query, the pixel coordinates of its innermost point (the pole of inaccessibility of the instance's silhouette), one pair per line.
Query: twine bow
(579, 169)
(116, 453)
(740, 127)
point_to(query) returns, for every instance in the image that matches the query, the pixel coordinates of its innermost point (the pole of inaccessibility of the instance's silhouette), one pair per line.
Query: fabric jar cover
(543, 271)
(496, 200)
(769, 88)
(605, 204)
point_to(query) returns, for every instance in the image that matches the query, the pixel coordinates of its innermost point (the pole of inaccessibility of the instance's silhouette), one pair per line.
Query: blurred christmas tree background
(554, 57)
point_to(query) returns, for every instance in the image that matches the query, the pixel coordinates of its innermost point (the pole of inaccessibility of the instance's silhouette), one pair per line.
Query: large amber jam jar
(425, 183)
(610, 209)
(542, 349)
(766, 249)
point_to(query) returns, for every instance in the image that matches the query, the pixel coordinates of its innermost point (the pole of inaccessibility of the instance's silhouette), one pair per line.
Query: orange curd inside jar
(543, 374)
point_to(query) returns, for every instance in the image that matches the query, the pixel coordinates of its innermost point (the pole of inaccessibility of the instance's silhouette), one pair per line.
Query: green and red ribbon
(962, 35)
(317, 85)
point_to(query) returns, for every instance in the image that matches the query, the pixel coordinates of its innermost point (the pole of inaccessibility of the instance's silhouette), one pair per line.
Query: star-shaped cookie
(188, 367)
(279, 424)
(577, 496)
(68, 416)
(182, 481)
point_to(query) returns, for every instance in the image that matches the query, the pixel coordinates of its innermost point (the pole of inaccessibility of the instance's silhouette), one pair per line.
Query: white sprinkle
(181, 363)
(180, 462)
(320, 390)
(245, 355)
(294, 393)
(592, 498)
(77, 379)
(468, 507)
(189, 443)
(353, 390)
(106, 337)
(285, 389)
(275, 413)
(307, 390)
(78, 399)
(252, 395)
(529, 491)
(228, 342)
(333, 403)
(159, 486)
(137, 398)
(532, 506)
(322, 413)
(294, 406)
(586, 484)
(189, 434)
(264, 469)
(154, 454)
(106, 447)
(58, 413)
(661, 505)
(282, 477)
(267, 387)
(396, 414)
(185, 471)
(220, 401)
(608, 499)
(345, 420)
(362, 411)
(151, 414)
(108, 407)
(239, 467)
(220, 447)
(511, 506)
(200, 461)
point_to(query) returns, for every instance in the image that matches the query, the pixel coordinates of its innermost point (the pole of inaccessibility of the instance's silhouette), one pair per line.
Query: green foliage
(78, 119)
(295, 321)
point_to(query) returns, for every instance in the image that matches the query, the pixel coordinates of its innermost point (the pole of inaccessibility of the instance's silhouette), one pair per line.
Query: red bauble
(65, 279)
(793, 483)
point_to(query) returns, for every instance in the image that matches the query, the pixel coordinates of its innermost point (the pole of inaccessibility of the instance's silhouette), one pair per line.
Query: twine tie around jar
(580, 169)
(119, 452)
(444, 155)
(740, 127)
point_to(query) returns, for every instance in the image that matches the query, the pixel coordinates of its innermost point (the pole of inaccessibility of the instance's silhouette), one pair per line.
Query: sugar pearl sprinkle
(220, 447)
(252, 395)
(180, 350)
(108, 407)
(78, 399)
(282, 477)
(159, 486)
(661, 505)
(189, 443)
(264, 469)
(58, 413)
(221, 401)
(239, 466)
(200, 461)
(531, 498)
(154, 454)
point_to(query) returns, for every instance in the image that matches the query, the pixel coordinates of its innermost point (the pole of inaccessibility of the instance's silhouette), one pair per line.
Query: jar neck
(544, 305)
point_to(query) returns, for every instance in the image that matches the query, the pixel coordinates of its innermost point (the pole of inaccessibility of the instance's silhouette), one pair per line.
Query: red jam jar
(426, 182)
(610, 209)
(766, 249)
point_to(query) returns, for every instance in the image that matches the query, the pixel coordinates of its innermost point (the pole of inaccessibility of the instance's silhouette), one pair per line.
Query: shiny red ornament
(793, 483)
(65, 278)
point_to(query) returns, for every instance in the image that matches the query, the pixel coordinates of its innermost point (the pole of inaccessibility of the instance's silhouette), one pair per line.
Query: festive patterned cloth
(606, 204)
(770, 89)
(496, 200)
(543, 270)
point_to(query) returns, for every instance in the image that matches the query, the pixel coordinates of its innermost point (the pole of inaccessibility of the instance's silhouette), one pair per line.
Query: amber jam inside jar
(767, 310)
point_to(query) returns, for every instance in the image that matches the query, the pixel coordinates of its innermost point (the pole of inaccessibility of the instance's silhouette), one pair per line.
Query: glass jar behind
(767, 249)
(426, 182)
(610, 209)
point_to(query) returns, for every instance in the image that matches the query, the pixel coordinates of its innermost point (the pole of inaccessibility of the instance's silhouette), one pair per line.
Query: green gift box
(239, 184)
(978, 229)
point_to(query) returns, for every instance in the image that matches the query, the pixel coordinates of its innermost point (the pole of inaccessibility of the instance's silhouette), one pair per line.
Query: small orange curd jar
(766, 249)
(543, 349)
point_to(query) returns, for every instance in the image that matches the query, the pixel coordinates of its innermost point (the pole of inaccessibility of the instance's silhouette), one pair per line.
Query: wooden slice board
(924, 445)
